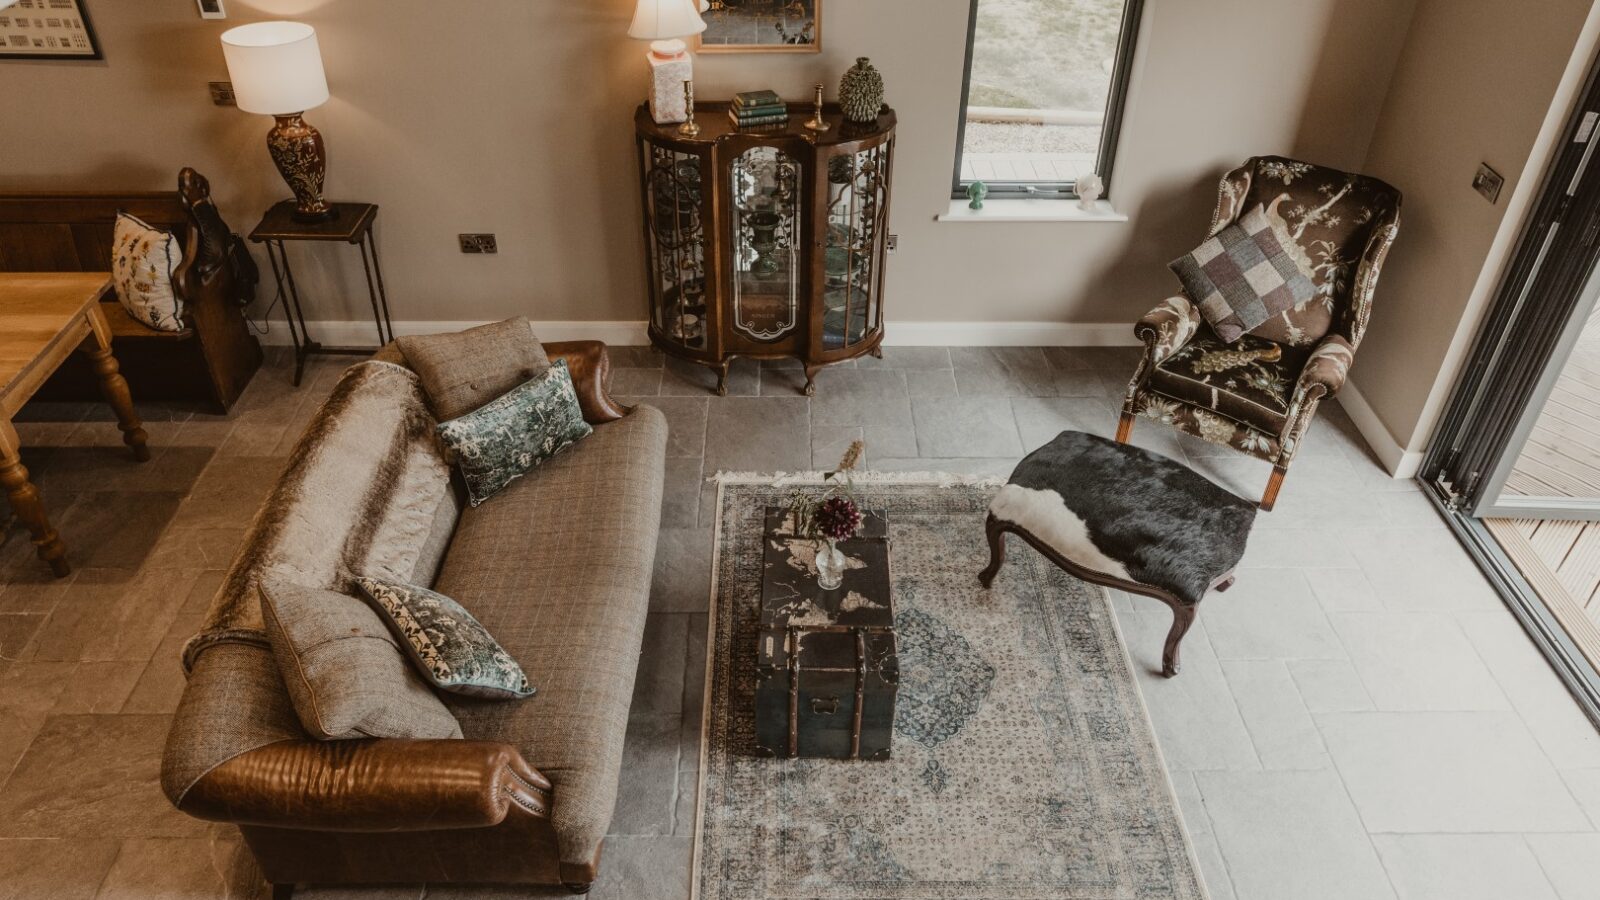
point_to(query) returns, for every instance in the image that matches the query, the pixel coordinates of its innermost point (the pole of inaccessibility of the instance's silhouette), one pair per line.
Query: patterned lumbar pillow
(500, 441)
(446, 643)
(1247, 273)
(346, 674)
(142, 262)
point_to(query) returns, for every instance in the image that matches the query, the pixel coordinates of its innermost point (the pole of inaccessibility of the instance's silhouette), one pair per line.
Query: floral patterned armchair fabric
(1258, 394)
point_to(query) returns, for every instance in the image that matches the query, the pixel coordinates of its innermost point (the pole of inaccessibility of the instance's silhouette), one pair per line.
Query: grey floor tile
(1565, 733)
(636, 382)
(1330, 685)
(1571, 862)
(94, 775)
(829, 443)
(1585, 787)
(915, 358)
(682, 577)
(1276, 717)
(680, 501)
(931, 383)
(1448, 772)
(758, 434)
(214, 867)
(686, 422)
(57, 869)
(1462, 867)
(1003, 372)
(965, 427)
(684, 378)
(1417, 661)
(1292, 836)
(645, 868)
(1343, 590)
(658, 684)
(861, 397)
(1269, 614)
(647, 796)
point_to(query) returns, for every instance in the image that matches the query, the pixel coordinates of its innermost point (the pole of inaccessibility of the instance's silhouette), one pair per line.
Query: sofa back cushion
(345, 672)
(1330, 215)
(366, 491)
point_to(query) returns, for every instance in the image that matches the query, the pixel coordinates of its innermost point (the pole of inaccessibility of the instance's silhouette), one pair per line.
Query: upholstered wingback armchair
(1258, 394)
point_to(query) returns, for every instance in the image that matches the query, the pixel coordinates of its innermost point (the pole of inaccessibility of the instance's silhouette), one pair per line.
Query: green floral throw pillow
(500, 441)
(451, 649)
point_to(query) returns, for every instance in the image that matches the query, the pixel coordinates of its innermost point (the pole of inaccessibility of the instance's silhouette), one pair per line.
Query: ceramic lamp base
(302, 160)
(667, 75)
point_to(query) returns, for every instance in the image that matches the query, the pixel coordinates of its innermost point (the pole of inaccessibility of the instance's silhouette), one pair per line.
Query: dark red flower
(838, 518)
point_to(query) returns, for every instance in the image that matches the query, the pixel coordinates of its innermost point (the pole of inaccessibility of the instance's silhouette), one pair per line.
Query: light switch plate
(211, 9)
(1488, 183)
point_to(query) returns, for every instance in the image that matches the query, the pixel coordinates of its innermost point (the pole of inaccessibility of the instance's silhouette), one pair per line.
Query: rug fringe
(941, 479)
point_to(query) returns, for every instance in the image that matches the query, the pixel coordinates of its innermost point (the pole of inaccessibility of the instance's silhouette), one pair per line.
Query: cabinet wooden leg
(811, 380)
(115, 389)
(27, 504)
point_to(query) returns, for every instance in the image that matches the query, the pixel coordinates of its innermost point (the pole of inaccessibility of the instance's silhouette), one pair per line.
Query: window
(1044, 91)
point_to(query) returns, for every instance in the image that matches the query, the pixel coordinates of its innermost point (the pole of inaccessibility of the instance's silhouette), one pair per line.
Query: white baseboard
(1400, 462)
(632, 334)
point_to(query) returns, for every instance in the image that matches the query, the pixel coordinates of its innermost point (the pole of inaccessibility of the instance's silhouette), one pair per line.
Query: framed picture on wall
(762, 26)
(47, 29)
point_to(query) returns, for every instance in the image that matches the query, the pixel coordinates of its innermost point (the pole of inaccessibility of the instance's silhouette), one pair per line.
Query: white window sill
(1031, 210)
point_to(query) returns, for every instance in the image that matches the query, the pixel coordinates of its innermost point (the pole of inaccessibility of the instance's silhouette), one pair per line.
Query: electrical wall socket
(1488, 183)
(211, 9)
(222, 93)
(478, 243)
(893, 243)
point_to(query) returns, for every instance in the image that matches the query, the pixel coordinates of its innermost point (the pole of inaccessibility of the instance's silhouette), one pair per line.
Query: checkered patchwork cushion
(1244, 276)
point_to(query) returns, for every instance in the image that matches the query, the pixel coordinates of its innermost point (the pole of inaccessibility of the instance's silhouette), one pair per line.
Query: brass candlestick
(690, 127)
(817, 123)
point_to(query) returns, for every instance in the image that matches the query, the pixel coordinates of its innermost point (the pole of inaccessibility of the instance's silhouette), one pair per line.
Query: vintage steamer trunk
(827, 666)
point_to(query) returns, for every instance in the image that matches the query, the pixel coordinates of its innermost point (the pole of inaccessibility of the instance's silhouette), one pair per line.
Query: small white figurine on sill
(1090, 187)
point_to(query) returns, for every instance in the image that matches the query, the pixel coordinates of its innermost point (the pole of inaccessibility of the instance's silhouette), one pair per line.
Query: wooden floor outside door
(44, 318)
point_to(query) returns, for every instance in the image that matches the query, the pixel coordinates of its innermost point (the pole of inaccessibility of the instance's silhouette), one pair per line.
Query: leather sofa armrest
(590, 366)
(371, 786)
(1168, 327)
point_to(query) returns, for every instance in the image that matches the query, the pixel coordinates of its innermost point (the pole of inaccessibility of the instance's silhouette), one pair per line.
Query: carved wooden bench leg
(1182, 617)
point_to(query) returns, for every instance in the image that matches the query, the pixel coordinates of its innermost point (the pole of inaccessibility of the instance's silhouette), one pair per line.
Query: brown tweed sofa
(557, 567)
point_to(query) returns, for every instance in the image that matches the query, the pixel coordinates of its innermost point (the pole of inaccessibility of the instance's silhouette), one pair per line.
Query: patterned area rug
(1024, 764)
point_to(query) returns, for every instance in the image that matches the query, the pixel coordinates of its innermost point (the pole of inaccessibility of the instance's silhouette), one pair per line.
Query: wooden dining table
(44, 318)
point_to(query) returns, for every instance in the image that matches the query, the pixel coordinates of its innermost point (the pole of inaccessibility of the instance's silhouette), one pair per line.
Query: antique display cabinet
(766, 242)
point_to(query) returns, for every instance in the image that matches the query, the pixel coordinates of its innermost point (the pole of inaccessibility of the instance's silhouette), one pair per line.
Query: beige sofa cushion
(558, 569)
(463, 370)
(346, 675)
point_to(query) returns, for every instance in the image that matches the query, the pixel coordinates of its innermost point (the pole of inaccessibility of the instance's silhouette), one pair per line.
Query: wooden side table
(352, 225)
(43, 318)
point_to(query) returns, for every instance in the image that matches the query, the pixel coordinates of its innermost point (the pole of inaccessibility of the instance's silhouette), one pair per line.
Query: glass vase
(830, 565)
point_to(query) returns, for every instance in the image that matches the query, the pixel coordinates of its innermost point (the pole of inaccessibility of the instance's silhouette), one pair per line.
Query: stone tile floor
(1359, 718)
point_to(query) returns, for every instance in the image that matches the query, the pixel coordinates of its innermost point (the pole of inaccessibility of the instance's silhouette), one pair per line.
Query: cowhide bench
(1119, 516)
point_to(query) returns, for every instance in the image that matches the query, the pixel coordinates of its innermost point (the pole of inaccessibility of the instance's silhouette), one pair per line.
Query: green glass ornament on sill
(976, 191)
(861, 92)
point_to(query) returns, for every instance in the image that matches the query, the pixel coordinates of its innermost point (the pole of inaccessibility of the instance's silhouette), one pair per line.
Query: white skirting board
(626, 334)
(1400, 462)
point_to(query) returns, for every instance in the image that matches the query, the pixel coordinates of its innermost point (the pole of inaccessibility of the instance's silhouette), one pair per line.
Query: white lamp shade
(657, 20)
(276, 67)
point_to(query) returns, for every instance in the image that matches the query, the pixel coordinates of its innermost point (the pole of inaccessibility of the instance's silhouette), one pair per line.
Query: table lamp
(665, 23)
(276, 69)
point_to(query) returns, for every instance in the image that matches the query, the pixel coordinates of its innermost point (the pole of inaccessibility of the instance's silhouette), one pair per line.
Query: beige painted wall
(516, 119)
(1474, 84)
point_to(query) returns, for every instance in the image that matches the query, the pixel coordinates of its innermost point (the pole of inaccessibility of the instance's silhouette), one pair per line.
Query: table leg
(113, 385)
(27, 504)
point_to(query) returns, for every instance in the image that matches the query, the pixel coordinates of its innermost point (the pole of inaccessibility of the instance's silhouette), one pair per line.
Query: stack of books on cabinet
(753, 109)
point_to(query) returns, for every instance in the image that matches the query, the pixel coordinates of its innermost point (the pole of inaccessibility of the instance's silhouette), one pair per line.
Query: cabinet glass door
(857, 216)
(677, 244)
(766, 244)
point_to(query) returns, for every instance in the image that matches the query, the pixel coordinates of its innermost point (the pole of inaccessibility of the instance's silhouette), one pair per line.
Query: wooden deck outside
(1562, 456)
(1561, 560)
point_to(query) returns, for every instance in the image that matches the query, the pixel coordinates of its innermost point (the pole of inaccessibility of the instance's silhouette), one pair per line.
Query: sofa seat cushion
(1250, 381)
(558, 569)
